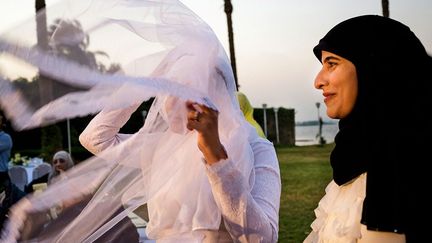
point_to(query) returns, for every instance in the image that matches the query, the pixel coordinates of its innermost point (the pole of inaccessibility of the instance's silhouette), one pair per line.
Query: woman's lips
(328, 96)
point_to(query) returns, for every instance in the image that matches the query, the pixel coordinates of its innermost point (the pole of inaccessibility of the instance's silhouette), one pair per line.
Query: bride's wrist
(215, 154)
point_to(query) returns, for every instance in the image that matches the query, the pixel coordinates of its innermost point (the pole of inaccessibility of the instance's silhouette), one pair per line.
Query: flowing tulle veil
(115, 54)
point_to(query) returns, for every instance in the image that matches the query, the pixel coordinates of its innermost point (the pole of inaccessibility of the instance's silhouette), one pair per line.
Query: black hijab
(386, 133)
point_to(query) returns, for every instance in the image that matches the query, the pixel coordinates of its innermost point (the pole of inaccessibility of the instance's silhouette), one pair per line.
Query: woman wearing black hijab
(375, 78)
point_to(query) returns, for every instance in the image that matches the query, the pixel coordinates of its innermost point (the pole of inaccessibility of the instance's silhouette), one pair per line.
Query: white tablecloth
(29, 170)
(32, 164)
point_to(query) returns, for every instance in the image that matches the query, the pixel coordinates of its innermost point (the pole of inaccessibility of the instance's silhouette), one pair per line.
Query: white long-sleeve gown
(251, 217)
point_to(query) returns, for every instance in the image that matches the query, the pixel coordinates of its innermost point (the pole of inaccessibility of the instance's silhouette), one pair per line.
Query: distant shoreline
(314, 123)
(308, 134)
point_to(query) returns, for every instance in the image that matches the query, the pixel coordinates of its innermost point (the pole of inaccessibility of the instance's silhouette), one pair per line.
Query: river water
(308, 135)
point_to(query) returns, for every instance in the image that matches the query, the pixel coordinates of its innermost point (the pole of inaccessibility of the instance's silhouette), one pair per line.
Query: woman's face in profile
(60, 165)
(338, 81)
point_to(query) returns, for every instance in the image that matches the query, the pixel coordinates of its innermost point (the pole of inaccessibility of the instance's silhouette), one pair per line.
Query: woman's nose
(320, 79)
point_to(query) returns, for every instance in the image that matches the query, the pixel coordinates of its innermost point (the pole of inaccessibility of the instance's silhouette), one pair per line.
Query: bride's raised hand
(205, 121)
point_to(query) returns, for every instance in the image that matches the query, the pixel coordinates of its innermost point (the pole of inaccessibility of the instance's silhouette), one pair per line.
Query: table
(29, 168)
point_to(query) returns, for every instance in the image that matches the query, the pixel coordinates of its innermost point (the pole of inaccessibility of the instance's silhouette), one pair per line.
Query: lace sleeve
(102, 131)
(249, 216)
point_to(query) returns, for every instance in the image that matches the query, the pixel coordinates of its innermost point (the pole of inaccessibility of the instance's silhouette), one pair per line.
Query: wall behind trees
(286, 124)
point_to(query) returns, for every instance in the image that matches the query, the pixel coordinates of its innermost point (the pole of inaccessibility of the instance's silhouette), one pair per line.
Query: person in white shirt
(199, 166)
(249, 214)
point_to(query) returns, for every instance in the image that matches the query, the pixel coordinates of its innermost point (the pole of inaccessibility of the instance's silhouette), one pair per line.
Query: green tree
(71, 42)
(51, 141)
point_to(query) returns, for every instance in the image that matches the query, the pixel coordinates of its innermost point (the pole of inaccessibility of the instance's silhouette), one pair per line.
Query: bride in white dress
(202, 170)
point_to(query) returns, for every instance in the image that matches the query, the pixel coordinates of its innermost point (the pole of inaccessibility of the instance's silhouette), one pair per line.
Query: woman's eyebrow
(330, 58)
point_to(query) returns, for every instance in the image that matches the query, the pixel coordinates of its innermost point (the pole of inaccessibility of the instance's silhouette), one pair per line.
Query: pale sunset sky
(274, 40)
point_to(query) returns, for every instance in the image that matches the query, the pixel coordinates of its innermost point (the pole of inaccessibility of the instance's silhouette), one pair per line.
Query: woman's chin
(332, 115)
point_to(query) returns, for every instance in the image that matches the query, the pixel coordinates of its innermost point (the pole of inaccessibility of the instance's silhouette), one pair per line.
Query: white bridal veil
(80, 57)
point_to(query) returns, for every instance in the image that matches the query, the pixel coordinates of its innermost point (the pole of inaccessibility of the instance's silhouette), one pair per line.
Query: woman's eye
(331, 64)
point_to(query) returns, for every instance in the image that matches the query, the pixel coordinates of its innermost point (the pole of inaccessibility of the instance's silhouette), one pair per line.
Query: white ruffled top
(338, 213)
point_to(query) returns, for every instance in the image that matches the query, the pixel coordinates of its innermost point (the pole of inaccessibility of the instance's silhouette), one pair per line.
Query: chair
(41, 170)
(18, 176)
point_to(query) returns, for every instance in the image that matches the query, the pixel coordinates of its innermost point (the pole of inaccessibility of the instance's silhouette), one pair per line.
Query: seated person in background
(247, 110)
(61, 162)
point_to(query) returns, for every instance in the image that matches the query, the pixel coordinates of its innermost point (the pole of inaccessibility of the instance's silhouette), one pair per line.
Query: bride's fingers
(194, 121)
(191, 105)
(201, 117)
(193, 115)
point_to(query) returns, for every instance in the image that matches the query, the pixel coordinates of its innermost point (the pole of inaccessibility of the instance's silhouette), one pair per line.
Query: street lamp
(69, 136)
(276, 123)
(265, 118)
(320, 124)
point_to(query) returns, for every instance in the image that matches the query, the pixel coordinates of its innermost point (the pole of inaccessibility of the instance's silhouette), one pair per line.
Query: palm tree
(45, 84)
(385, 6)
(228, 10)
(76, 52)
(41, 24)
(51, 136)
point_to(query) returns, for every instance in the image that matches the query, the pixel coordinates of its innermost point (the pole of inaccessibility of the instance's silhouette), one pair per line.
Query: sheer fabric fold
(109, 55)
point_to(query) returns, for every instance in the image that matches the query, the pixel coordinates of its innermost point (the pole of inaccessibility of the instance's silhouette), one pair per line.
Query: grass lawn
(305, 172)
